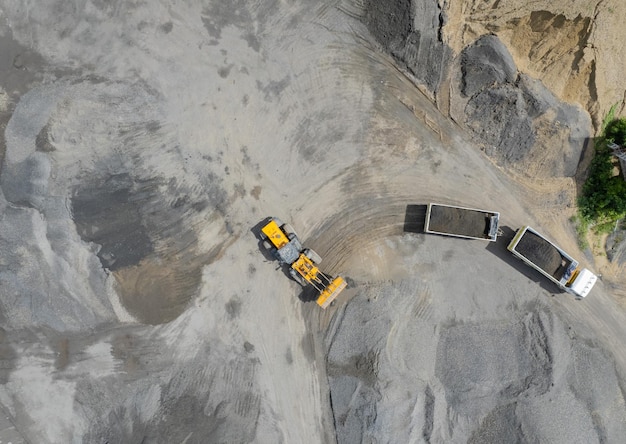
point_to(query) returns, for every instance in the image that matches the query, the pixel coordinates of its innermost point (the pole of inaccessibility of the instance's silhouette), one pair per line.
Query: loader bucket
(331, 292)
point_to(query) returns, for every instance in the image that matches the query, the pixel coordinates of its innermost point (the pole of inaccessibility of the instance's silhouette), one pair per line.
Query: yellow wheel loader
(282, 240)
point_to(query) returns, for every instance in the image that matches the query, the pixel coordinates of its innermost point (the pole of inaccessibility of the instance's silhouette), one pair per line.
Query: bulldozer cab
(275, 234)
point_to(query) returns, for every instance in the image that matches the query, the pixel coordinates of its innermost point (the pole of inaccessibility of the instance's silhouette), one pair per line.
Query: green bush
(616, 131)
(603, 199)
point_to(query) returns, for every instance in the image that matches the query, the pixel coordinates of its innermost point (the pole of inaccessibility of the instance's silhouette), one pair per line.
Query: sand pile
(520, 123)
(570, 46)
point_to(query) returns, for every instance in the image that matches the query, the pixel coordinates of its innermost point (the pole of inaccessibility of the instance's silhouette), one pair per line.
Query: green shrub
(603, 199)
(610, 116)
(616, 131)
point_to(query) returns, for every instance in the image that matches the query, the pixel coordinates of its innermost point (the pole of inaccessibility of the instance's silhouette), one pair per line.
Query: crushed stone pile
(398, 367)
(456, 221)
(542, 253)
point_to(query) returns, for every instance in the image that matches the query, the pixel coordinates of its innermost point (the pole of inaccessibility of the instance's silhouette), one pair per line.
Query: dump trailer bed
(554, 263)
(470, 223)
(543, 255)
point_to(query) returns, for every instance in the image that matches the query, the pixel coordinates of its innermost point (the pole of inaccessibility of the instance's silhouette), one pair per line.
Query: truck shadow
(499, 248)
(414, 218)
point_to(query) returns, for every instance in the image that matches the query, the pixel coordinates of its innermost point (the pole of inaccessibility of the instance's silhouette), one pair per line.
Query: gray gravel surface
(406, 360)
(144, 142)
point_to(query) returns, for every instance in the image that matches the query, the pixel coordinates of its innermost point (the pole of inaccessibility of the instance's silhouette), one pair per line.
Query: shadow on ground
(499, 248)
(414, 218)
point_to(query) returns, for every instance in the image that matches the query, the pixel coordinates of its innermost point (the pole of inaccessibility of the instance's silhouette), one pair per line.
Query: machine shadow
(256, 231)
(499, 248)
(414, 218)
(308, 294)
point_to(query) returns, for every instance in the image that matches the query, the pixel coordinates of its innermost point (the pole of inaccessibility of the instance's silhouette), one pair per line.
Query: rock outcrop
(511, 102)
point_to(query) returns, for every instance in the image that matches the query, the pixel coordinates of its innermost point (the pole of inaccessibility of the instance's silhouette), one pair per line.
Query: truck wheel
(297, 277)
(288, 229)
(267, 245)
(315, 258)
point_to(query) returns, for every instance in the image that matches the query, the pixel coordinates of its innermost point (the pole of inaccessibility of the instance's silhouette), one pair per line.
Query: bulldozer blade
(331, 292)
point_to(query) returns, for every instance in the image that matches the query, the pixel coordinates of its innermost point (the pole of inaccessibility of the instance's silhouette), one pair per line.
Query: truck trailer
(551, 261)
(469, 223)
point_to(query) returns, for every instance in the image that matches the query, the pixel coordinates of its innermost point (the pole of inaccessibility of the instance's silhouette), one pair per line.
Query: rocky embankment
(525, 81)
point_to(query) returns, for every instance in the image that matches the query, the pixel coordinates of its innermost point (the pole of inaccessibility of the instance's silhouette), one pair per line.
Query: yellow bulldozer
(282, 240)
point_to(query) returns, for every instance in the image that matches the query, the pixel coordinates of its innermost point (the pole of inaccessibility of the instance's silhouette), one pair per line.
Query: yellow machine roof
(275, 234)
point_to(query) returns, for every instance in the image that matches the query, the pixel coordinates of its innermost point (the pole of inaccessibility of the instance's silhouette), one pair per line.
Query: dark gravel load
(459, 221)
(543, 254)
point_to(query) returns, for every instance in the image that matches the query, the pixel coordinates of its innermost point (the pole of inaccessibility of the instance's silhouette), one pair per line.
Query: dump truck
(551, 261)
(469, 223)
(282, 240)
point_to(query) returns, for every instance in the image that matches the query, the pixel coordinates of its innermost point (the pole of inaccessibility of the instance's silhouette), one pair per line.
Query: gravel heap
(543, 254)
(519, 122)
(410, 32)
(456, 221)
(398, 369)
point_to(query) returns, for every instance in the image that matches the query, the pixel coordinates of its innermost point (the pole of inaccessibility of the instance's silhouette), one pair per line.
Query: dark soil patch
(499, 117)
(108, 214)
(389, 22)
(485, 63)
(20, 68)
(145, 239)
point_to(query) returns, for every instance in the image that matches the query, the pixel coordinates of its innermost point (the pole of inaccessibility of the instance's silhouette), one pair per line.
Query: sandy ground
(570, 45)
(146, 143)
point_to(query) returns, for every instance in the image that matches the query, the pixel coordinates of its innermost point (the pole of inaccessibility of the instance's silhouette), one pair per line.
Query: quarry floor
(143, 145)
